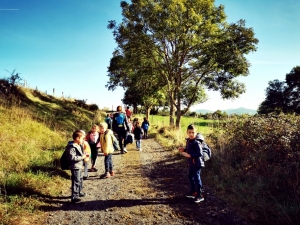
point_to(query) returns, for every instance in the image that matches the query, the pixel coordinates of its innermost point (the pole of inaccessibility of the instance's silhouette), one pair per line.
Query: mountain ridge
(238, 111)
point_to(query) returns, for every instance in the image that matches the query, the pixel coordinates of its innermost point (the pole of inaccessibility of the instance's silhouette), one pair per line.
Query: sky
(65, 46)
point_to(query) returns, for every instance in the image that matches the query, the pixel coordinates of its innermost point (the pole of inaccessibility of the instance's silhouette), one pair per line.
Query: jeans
(138, 143)
(195, 179)
(76, 183)
(108, 163)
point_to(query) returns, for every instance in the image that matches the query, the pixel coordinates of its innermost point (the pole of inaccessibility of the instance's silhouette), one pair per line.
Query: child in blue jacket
(193, 152)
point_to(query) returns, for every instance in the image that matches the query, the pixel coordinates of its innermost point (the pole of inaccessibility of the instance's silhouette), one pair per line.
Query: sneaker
(112, 173)
(74, 200)
(82, 194)
(93, 169)
(85, 177)
(125, 150)
(104, 176)
(191, 195)
(199, 199)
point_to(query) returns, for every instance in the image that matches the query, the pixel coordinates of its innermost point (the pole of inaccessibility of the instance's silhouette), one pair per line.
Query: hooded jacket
(75, 156)
(106, 142)
(194, 148)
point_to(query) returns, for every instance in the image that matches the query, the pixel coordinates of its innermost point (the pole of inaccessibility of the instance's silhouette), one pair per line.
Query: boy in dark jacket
(193, 152)
(138, 133)
(76, 157)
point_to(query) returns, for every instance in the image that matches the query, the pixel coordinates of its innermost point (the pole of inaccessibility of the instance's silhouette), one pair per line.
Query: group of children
(84, 147)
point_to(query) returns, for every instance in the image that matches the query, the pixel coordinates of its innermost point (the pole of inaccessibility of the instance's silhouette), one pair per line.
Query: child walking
(76, 157)
(193, 152)
(138, 133)
(145, 126)
(93, 138)
(107, 148)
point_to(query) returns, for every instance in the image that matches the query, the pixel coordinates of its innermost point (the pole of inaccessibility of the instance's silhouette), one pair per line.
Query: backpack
(206, 151)
(145, 126)
(64, 159)
(130, 138)
(108, 120)
(120, 119)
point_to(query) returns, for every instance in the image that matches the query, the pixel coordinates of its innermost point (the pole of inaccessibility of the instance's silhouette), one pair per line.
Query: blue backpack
(146, 126)
(120, 119)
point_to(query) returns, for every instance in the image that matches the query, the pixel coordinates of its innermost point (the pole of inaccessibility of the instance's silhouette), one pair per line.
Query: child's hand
(181, 149)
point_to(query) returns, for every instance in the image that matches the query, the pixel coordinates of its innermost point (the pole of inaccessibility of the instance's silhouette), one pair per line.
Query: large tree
(283, 96)
(188, 42)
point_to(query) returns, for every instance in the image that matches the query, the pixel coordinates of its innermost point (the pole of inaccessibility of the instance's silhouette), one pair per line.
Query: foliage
(263, 153)
(188, 44)
(283, 96)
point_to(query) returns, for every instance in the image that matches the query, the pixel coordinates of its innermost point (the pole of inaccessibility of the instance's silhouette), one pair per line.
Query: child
(87, 151)
(93, 138)
(76, 157)
(107, 148)
(145, 126)
(138, 133)
(193, 152)
(108, 120)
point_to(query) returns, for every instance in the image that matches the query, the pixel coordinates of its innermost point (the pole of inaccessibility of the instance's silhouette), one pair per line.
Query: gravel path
(148, 188)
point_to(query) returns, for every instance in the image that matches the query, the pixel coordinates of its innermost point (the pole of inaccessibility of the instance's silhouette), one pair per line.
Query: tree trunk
(148, 112)
(178, 112)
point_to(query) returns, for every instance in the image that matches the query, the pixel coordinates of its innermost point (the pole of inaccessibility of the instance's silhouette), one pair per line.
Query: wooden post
(53, 91)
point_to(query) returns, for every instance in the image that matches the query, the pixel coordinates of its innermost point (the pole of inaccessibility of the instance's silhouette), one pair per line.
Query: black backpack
(64, 159)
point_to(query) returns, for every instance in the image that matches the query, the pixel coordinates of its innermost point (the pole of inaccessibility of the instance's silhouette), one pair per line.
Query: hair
(191, 127)
(108, 115)
(137, 123)
(95, 125)
(104, 125)
(127, 107)
(76, 134)
(119, 108)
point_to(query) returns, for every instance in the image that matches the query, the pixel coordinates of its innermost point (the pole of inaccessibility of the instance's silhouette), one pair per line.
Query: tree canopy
(283, 96)
(187, 43)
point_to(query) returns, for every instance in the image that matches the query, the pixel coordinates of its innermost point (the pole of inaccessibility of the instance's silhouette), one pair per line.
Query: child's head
(137, 123)
(191, 131)
(78, 136)
(102, 127)
(95, 128)
(119, 108)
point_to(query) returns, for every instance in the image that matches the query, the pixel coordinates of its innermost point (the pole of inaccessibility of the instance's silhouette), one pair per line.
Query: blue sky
(65, 45)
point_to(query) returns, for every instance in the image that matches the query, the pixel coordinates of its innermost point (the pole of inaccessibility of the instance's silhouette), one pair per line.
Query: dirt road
(148, 188)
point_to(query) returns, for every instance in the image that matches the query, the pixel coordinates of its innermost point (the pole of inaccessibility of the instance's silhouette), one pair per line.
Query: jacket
(194, 148)
(138, 132)
(75, 156)
(91, 142)
(106, 142)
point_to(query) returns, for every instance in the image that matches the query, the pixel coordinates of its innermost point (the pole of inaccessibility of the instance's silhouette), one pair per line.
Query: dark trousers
(108, 163)
(122, 134)
(195, 179)
(76, 183)
(94, 153)
(145, 134)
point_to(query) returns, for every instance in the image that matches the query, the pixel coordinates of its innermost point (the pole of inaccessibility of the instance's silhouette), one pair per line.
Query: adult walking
(120, 126)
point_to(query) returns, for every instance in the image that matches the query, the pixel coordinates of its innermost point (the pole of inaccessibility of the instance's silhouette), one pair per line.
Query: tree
(283, 96)
(187, 42)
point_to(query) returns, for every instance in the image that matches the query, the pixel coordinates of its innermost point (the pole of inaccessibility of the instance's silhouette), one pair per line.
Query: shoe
(191, 195)
(104, 176)
(74, 200)
(82, 194)
(85, 177)
(112, 173)
(125, 150)
(199, 199)
(122, 152)
(94, 169)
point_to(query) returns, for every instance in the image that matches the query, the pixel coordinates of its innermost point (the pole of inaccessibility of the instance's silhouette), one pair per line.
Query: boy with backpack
(145, 126)
(194, 153)
(76, 157)
(120, 126)
(108, 120)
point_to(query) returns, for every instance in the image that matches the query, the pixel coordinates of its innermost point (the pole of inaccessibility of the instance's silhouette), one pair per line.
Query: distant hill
(237, 111)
